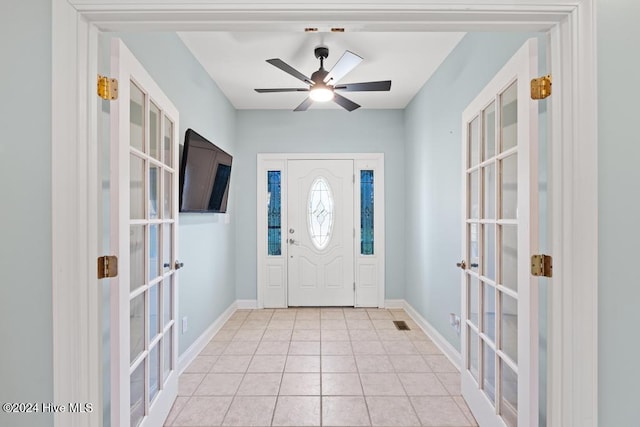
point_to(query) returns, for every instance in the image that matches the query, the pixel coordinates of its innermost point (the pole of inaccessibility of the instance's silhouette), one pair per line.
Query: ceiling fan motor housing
(321, 52)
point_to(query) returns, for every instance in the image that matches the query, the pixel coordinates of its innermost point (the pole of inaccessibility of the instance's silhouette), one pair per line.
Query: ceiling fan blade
(279, 63)
(345, 103)
(347, 62)
(383, 85)
(284, 89)
(305, 105)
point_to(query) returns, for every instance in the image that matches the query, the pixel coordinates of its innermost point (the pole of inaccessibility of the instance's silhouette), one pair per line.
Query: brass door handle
(462, 265)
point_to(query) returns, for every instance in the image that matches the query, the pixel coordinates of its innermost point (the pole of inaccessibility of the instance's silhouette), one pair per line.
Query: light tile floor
(320, 367)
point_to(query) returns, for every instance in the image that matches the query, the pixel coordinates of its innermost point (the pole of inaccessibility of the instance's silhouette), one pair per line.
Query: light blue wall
(26, 347)
(434, 184)
(432, 173)
(619, 210)
(321, 131)
(206, 242)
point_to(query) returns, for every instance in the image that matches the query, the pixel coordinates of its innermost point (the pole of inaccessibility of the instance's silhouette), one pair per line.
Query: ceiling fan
(323, 84)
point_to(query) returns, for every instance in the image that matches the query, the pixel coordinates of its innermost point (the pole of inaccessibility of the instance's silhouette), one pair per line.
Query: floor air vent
(401, 325)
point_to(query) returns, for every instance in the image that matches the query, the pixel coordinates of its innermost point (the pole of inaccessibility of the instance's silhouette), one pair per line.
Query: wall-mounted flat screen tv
(204, 175)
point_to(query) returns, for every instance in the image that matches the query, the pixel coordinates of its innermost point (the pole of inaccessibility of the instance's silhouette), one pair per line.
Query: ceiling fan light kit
(321, 93)
(323, 83)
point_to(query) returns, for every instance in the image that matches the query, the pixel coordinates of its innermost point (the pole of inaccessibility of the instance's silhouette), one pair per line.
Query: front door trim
(272, 270)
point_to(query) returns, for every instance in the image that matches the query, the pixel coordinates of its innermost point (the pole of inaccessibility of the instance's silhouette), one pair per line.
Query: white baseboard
(394, 303)
(246, 304)
(447, 349)
(200, 343)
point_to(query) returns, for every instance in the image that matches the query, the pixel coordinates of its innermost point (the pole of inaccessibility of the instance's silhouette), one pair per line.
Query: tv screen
(204, 175)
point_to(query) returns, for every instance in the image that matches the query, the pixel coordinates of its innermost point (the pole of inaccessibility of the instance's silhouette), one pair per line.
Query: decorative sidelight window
(320, 213)
(366, 212)
(274, 216)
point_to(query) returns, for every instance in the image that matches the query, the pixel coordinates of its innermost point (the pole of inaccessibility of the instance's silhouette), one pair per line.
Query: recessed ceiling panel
(237, 63)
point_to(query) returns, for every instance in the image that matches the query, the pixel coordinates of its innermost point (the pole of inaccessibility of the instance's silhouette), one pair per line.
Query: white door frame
(272, 270)
(572, 397)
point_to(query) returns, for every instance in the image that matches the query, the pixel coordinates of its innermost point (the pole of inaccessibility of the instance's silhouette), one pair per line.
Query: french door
(320, 234)
(500, 228)
(144, 168)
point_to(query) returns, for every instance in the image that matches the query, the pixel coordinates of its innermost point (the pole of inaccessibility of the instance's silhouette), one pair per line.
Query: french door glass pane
(154, 311)
(366, 212)
(489, 254)
(154, 251)
(489, 311)
(474, 256)
(474, 142)
(154, 131)
(509, 187)
(274, 212)
(509, 326)
(489, 371)
(167, 241)
(474, 210)
(473, 353)
(136, 187)
(154, 372)
(137, 394)
(167, 198)
(489, 182)
(136, 327)
(136, 257)
(509, 114)
(154, 191)
(167, 300)
(490, 131)
(136, 118)
(168, 142)
(474, 291)
(509, 256)
(509, 401)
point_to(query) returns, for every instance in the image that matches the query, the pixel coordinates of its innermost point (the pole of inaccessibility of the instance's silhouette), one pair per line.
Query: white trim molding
(369, 270)
(445, 347)
(201, 342)
(573, 173)
(246, 304)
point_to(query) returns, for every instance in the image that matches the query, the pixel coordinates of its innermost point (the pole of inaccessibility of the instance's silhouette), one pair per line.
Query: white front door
(500, 229)
(144, 167)
(320, 233)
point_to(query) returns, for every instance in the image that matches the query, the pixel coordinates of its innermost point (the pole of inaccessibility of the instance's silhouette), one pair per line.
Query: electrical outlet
(454, 321)
(185, 324)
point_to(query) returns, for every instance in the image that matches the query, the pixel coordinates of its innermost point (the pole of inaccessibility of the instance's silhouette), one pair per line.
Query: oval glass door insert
(320, 213)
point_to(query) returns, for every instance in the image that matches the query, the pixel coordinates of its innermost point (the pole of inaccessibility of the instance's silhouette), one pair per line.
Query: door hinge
(541, 87)
(107, 266)
(354, 286)
(107, 88)
(542, 265)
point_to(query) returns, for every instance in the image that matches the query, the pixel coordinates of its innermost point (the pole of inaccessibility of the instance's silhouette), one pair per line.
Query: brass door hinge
(107, 88)
(107, 266)
(541, 87)
(542, 265)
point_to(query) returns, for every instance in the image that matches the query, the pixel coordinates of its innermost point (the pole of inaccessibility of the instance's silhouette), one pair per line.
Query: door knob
(292, 242)
(178, 265)
(462, 265)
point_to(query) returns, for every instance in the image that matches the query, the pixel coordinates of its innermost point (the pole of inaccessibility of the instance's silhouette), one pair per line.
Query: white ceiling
(237, 63)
